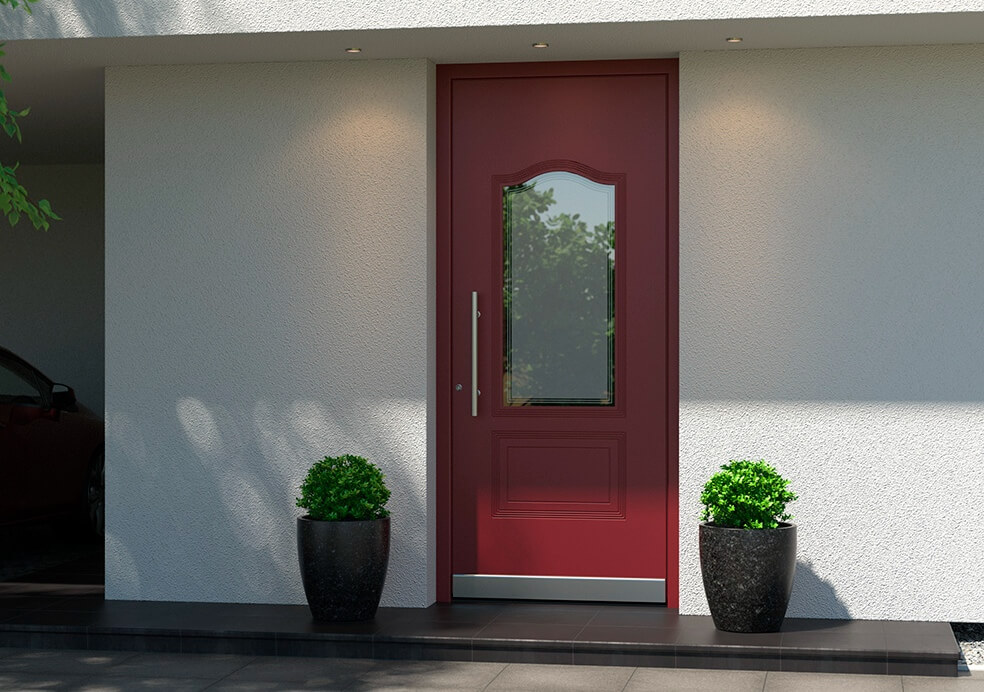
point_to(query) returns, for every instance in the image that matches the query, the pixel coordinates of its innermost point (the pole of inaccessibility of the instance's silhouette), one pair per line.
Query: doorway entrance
(557, 326)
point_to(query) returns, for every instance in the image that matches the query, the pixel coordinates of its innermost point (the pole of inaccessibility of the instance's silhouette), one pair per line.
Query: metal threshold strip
(613, 589)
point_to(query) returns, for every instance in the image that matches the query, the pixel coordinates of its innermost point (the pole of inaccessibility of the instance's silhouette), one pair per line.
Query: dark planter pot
(343, 566)
(748, 575)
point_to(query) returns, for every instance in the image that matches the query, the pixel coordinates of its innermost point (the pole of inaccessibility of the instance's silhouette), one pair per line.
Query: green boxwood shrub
(345, 488)
(746, 495)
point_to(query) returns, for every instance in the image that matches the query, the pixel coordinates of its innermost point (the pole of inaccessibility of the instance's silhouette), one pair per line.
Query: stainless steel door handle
(474, 353)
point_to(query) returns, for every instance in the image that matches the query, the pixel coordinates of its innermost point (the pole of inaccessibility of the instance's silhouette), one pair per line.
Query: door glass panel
(559, 292)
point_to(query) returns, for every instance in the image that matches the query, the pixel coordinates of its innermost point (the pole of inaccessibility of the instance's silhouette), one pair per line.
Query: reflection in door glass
(559, 292)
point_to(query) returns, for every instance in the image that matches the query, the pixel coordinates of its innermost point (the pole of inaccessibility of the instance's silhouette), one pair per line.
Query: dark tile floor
(46, 552)
(42, 615)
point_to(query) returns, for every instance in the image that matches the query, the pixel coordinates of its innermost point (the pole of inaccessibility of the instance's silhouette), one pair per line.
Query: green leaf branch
(14, 4)
(15, 202)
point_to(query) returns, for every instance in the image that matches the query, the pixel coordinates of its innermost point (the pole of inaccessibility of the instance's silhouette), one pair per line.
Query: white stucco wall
(832, 321)
(112, 18)
(268, 277)
(51, 282)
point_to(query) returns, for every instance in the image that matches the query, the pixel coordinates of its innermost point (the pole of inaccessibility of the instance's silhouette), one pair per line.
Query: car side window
(18, 385)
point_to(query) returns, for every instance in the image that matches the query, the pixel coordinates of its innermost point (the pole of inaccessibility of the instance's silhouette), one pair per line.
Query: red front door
(559, 203)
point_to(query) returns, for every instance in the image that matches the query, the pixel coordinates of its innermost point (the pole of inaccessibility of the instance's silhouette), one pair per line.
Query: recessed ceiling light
(541, 44)
(733, 39)
(353, 50)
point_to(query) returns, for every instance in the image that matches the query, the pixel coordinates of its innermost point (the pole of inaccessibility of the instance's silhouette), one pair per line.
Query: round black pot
(343, 566)
(748, 575)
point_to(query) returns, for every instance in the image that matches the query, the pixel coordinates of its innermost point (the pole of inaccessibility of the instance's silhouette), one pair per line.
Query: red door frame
(446, 74)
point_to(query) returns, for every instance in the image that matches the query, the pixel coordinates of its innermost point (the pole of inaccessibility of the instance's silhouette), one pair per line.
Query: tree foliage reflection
(559, 298)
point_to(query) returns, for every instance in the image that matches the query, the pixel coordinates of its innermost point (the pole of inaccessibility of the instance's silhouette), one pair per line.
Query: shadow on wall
(103, 19)
(241, 472)
(815, 597)
(283, 326)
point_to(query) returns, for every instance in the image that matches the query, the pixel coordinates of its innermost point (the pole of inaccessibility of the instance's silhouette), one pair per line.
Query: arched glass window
(559, 291)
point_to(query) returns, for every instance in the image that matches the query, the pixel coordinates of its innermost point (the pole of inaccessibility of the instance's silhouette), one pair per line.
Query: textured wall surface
(268, 240)
(831, 244)
(79, 19)
(51, 283)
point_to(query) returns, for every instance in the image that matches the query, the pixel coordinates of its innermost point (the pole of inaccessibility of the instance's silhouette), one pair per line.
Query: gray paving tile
(142, 684)
(481, 613)
(543, 678)
(912, 683)
(520, 633)
(152, 665)
(635, 616)
(687, 680)
(919, 668)
(844, 626)
(274, 686)
(616, 637)
(401, 630)
(329, 671)
(70, 661)
(831, 682)
(414, 688)
(562, 655)
(546, 614)
(928, 644)
(40, 681)
(416, 675)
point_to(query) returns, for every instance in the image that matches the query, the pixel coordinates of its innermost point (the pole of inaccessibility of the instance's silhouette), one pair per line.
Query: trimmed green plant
(345, 488)
(746, 495)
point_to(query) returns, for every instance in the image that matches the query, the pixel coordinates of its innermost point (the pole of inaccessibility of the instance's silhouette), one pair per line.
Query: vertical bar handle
(474, 353)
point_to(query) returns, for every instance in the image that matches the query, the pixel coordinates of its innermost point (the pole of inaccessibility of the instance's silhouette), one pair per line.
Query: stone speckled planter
(343, 566)
(748, 575)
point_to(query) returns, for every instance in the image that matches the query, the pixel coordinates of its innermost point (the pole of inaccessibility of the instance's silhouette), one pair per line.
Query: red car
(52, 460)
